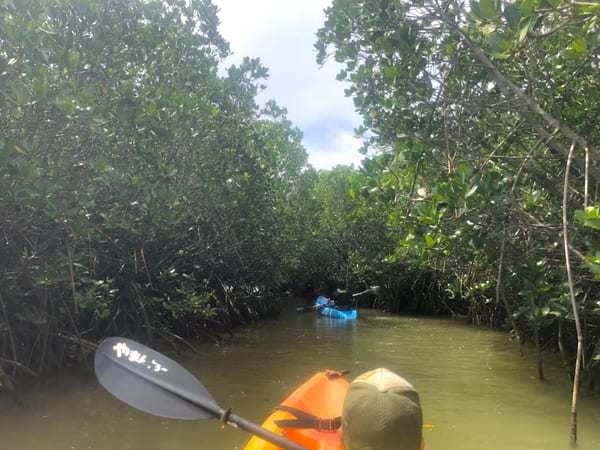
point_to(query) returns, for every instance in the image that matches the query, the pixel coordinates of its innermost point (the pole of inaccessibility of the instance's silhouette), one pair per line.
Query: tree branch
(573, 302)
(19, 366)
(510, 88)
(558, 27)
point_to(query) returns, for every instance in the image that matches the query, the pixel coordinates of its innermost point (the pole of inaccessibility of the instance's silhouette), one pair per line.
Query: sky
(282, 34)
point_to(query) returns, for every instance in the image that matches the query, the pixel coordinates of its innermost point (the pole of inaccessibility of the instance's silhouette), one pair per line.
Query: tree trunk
(573, 303)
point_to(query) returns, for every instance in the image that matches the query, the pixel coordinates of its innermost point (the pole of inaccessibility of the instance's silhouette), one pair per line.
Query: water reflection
(475, 388)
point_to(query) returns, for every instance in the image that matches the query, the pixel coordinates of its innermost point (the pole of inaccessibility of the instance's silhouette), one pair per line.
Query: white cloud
(282, 34)
(342, 148)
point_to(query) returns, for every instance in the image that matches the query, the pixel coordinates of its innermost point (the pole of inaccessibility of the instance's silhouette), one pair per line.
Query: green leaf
(527, 7)
(471, 191)
(74, 61)
(512, 14)
(580, 46)
(475, 12)
(592, 212)
(488, 9)
(554, 3)
(40, 86)
(524, 29)
(590, 217)
(593, 223)
(21, 94)
(429, 240)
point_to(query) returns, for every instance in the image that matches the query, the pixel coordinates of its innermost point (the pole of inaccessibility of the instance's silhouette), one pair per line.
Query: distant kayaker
(342, 298)
(382, 411)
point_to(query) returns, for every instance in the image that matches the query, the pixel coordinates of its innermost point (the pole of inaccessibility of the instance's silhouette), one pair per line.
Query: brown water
(475, 389)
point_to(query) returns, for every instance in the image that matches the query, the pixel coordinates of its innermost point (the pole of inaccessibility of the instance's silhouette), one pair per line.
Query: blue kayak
(326, 307)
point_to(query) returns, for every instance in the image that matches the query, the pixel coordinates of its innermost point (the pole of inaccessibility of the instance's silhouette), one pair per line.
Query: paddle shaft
(215, 409)
(308, 308)
(371, 290)
(264, 433)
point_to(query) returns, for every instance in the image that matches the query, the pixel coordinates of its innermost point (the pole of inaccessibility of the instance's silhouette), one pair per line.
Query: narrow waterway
(476, 390)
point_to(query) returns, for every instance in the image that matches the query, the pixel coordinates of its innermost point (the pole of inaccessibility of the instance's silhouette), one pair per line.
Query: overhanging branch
(509, 88)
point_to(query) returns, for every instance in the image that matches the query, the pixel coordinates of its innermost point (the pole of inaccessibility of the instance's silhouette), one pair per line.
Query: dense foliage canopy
(141, 191)
(474, 111)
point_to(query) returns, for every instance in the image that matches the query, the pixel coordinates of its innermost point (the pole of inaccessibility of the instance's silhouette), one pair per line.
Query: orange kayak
(322, 396)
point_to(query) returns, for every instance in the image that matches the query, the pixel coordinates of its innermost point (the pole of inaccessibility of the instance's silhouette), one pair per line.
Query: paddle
(313, 307)
(151, 382)
(306, 308)
(371, 290)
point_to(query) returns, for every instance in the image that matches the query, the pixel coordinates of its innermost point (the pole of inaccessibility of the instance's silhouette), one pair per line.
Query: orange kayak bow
(316, 405)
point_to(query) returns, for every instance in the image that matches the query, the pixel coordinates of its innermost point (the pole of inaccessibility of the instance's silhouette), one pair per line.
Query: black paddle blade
(151, 382)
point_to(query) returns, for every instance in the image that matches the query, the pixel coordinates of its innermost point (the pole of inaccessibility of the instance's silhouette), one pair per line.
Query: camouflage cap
(381, 411)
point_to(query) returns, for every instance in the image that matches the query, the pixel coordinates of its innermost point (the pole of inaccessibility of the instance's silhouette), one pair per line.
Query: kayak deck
(321, 396)
(348, 314)
(326, 308)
